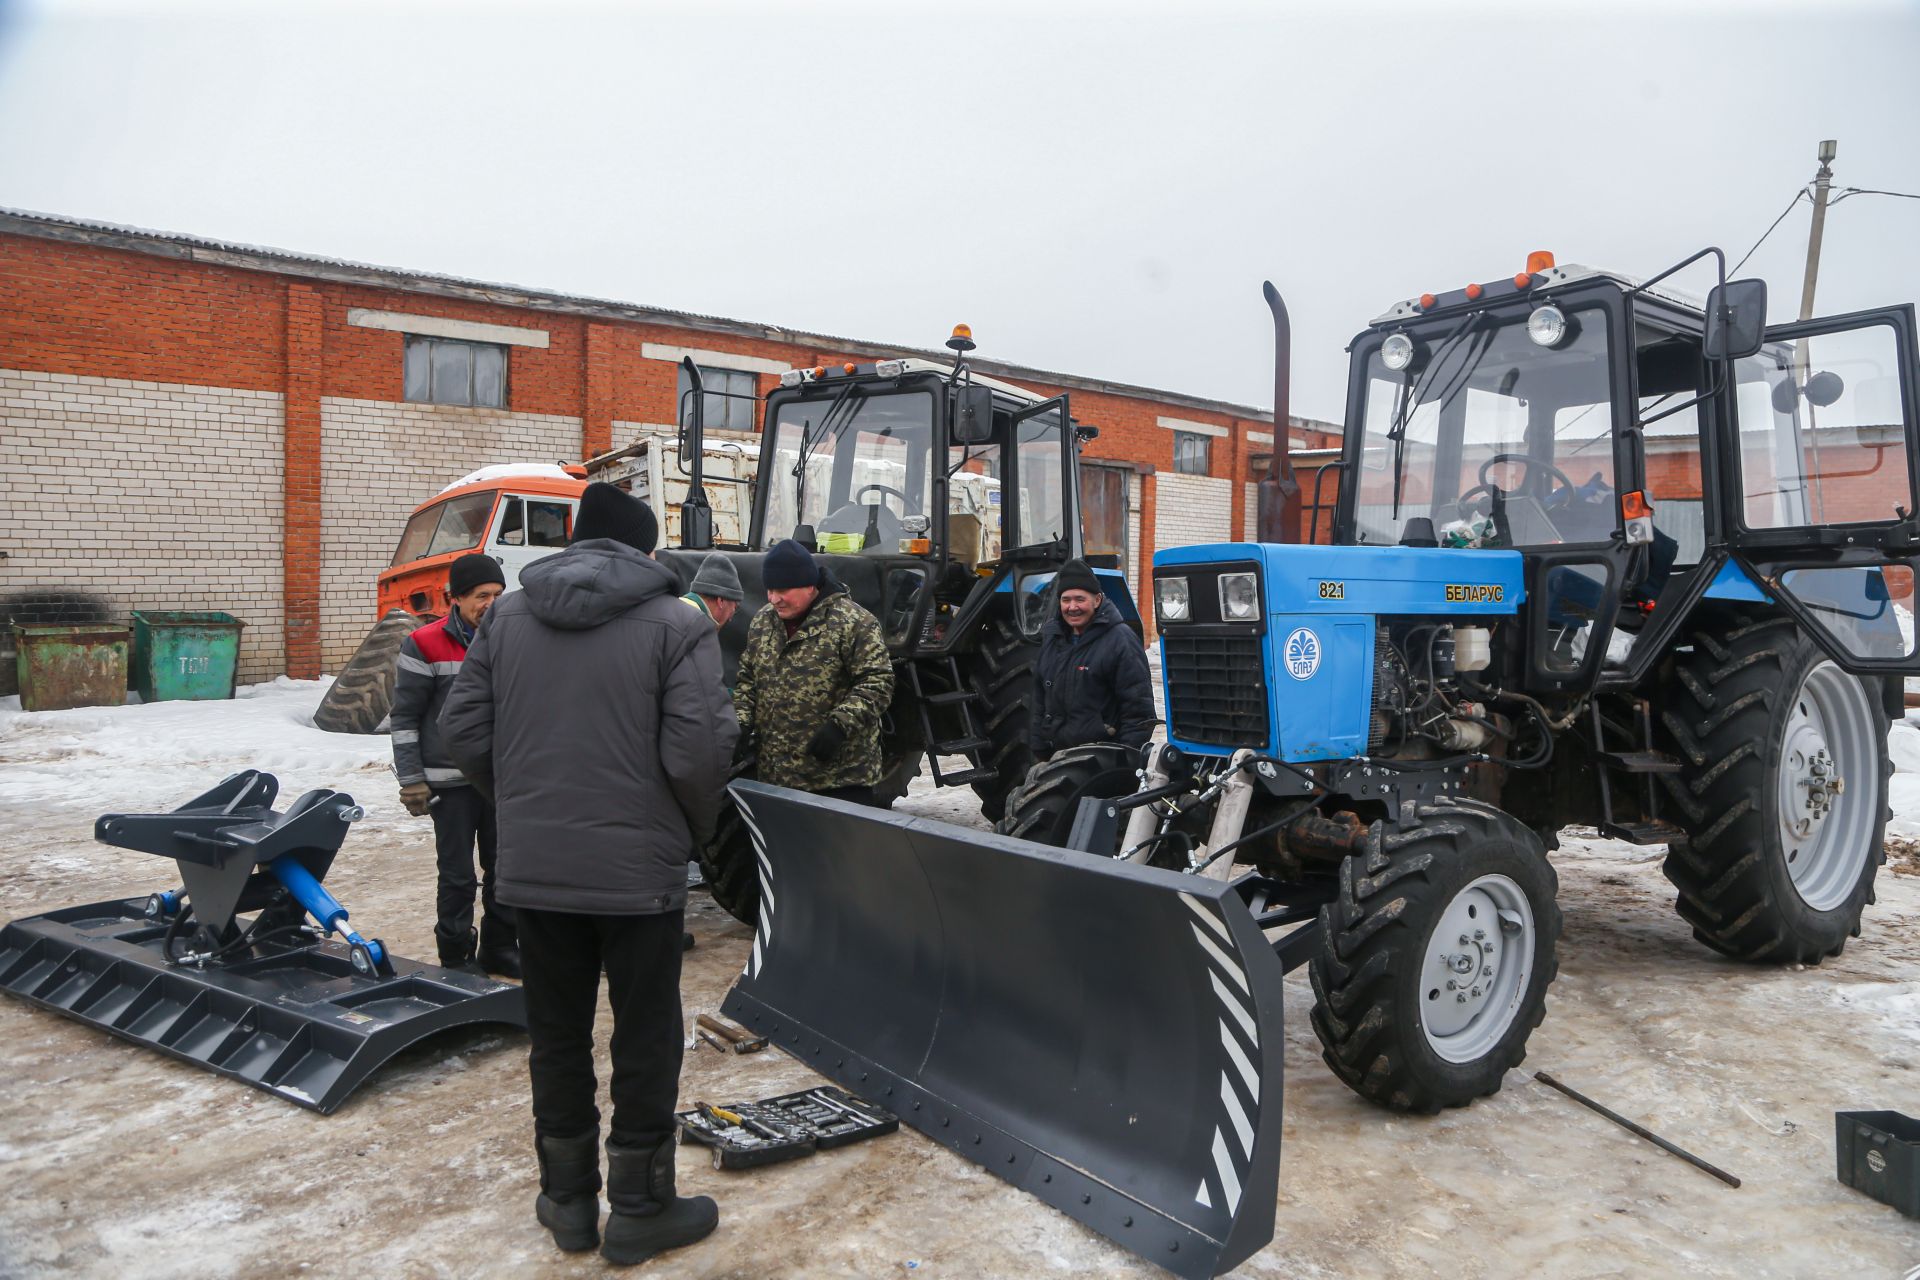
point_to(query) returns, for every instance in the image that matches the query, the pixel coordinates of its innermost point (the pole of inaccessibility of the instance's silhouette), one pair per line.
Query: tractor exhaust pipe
(1279, 500)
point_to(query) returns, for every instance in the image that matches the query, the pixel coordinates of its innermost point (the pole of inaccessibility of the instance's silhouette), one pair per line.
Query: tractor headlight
(1547, 326)
(1239, 597)
(1170, 595)
(1397, 351)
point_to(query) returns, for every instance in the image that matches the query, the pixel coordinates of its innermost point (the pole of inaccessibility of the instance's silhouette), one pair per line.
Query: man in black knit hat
(814, 681)
(431, 785)
(591, 705)
(1090, 682)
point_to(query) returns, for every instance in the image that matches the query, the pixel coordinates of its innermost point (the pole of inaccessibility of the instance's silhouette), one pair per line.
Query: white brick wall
(144, 495)
(381, 459)
(1250, 525)
(1191, 509)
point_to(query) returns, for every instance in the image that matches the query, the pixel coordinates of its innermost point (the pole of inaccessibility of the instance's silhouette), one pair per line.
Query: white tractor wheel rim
(1827, 786)
(1478, 964)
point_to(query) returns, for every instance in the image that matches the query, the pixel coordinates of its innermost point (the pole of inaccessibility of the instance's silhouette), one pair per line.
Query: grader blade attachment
(1102, 1035)
(272, 1002)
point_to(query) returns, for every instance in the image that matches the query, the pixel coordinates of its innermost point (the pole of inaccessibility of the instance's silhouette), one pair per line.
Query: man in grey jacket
(591, 706)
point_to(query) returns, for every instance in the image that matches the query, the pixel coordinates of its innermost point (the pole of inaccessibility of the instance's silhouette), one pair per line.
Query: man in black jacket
(1091, 682)
(591, 706)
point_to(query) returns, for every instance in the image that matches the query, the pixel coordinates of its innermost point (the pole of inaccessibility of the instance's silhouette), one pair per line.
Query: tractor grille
(1216, 688)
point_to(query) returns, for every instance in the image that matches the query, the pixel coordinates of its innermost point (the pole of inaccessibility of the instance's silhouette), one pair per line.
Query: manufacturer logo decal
(1333, 591)
(1876, 1162)
(1301, 654)
(1475, 593)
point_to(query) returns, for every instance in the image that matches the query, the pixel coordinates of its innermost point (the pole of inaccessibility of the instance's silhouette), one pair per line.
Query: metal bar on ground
(1638, 1130)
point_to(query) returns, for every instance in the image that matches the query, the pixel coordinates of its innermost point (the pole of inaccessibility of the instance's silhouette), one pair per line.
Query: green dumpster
(71, 666)
(181, 654)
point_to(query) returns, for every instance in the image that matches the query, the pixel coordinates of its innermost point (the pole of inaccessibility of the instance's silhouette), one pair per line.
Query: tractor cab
(927, 489)
(1642, 450)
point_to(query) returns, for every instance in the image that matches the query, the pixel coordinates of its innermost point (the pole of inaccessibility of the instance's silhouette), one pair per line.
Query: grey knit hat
(717, 578)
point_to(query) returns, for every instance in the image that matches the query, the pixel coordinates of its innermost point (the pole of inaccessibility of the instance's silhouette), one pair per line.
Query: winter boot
(499, 950)
(569, 1203)
(647, 1217)
(456, 948)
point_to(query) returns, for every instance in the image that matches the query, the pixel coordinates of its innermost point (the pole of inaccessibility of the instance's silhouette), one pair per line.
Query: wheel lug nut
(1465, 941)
(1462, 997)
(1479, 935)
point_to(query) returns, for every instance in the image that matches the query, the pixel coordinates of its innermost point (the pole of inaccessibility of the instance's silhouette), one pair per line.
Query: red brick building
(190, 424)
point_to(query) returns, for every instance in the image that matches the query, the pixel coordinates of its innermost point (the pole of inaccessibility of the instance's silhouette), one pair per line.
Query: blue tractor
(1602, 556)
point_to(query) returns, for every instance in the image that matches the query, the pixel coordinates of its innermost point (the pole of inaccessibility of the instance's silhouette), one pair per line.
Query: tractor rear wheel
(360, 697)
(1782, 793)
(1042, 807)
(1002, 670)
(1435, 957)
(728, 862)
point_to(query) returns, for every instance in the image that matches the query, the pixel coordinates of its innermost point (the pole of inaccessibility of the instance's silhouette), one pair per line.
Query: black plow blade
(1102, 1035)
(292, 1018)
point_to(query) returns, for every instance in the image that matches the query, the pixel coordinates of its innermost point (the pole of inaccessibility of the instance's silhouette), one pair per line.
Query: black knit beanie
(607, 512)
(1074, 575)
(472, 571)
(787, 566)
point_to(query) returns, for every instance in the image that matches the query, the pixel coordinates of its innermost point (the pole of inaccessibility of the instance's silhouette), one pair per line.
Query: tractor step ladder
(1640, 763)
(959, 700)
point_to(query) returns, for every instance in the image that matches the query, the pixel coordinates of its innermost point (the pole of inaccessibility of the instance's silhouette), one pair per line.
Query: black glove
(826, 741)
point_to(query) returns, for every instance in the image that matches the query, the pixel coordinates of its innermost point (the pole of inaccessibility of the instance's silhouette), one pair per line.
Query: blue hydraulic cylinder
(320, 904)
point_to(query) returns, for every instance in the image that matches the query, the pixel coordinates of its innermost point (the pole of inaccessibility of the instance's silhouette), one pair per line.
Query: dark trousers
(462, 817)
(561, 956)
(857, 795)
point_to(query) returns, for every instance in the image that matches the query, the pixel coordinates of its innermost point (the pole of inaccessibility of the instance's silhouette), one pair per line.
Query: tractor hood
(1294, 676)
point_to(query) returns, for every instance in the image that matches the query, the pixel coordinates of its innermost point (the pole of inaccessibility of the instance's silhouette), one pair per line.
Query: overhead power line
(1798, 196)
(1844, 192)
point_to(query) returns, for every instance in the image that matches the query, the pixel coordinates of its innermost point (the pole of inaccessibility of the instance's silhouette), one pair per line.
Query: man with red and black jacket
(431, 785)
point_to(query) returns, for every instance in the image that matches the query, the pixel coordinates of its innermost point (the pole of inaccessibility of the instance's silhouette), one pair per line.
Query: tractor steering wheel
(1488, 487)
(884, 489)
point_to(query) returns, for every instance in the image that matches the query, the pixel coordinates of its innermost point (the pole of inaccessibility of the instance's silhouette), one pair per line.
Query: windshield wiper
(1410, 396)
(810, 439)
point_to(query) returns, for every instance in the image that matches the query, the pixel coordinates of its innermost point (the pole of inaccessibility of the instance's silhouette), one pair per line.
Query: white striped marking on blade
(1213, 921)
(1223, 1165)
(1241, 1128)
(1234, 1007)
(1240, 1061)
(1233, 970)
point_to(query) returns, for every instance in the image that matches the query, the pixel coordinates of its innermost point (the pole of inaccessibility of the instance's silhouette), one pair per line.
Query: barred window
(730, 396)
(1190, 453)
(448, 371)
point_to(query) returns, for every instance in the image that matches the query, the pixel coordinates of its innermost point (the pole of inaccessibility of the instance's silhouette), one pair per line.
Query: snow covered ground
(121, 1162)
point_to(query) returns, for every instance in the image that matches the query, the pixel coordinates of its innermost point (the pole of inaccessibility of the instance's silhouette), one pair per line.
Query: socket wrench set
(748, 1134)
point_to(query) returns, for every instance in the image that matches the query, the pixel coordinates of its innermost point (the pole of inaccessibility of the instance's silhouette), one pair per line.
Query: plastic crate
(1878, 1152)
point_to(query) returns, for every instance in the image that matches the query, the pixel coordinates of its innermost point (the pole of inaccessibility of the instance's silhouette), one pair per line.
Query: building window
(448, 371)
(1190, 453)
(731, 394)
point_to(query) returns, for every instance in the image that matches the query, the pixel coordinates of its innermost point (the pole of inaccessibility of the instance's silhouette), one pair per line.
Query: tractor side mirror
(1824, 389)
(1736, 319)
(696, 522)
(972, 415)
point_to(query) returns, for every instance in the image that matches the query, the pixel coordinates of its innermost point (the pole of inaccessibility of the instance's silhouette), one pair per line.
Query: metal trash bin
(183, 654)
(71, 666)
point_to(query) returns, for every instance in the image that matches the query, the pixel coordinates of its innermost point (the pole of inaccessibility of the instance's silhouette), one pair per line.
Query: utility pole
(1822, 181)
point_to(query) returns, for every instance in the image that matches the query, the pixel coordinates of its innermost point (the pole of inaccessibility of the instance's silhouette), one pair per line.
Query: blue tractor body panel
(1320, 606)
(1735, 583)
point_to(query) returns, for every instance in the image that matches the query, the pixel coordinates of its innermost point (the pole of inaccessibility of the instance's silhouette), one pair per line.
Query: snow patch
(1895, 1005)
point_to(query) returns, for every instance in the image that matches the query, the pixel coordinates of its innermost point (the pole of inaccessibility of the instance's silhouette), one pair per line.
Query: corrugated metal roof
(265, 258)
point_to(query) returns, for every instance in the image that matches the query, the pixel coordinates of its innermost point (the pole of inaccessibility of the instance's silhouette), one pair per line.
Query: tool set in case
(750, 1134)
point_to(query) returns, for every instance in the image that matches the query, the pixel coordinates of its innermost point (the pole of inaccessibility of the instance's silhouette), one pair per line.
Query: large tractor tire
(1043, 807)
(728, 863)
(1782, 793)
(1002, 671)
(362, 694)
(1435, 957)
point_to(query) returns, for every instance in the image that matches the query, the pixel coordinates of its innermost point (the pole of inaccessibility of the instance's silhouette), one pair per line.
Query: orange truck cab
(515, 513)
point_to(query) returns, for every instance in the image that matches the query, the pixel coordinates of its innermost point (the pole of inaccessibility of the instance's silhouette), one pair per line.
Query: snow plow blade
(1102, 1035)
(270, 1001)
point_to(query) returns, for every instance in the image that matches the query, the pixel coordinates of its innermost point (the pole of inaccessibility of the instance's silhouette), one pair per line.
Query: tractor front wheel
(1002, 672)
(1043, 806)
(1435, 958)
(1782, 793)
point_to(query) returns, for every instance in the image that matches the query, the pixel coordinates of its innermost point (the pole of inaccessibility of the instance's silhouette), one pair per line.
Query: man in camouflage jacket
(813, 682)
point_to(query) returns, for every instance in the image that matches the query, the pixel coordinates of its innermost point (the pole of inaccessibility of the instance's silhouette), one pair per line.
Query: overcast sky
(1095, 188)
